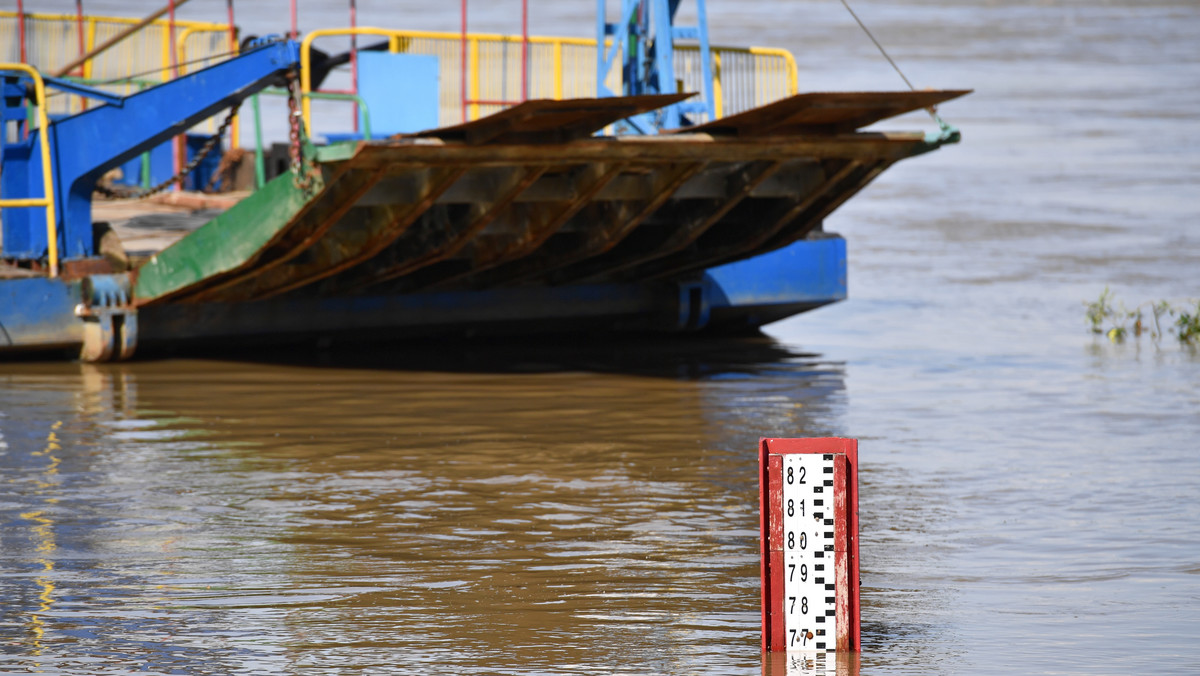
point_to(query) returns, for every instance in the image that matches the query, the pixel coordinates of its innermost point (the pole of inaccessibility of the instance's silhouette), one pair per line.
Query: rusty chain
(300, 176)
(204, 151)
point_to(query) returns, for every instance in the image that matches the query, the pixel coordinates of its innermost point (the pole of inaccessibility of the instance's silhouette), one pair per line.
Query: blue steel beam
(85, 146)
(645, 35)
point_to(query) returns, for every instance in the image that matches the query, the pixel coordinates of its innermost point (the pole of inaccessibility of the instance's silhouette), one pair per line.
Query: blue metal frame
(85, 146)
(645, 36)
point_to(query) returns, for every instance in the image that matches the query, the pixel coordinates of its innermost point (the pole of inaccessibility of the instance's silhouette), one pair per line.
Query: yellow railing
(743, 77)
(209, 50)
(52, 42)
(190, 58)
(47, 199)
(560, 68)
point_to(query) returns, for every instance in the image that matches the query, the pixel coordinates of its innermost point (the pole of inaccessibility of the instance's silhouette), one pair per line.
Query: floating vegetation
(1110, 318)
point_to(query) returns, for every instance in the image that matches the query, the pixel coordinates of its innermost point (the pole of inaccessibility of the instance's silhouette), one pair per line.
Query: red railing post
(21, 29)
(83, 102)
(171, 46)
(177, 148)
(462, 87)
(354, 58)
(235, 132)
(524, 50)
(502, 101)
(233, 43)
(79, 34)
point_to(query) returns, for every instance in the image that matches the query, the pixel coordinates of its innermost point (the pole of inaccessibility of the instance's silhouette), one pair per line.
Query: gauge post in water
(808, 518)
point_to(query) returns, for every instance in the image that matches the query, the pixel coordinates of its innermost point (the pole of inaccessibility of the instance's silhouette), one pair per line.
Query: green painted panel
(336, 152)
(226, 242)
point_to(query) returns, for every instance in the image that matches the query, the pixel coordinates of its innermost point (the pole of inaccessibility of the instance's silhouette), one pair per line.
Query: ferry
(471, 184)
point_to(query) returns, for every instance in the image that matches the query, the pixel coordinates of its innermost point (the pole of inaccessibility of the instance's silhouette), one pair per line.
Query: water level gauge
(808, 492)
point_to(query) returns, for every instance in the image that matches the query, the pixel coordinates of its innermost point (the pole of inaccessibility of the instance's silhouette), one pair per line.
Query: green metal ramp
(530, 196)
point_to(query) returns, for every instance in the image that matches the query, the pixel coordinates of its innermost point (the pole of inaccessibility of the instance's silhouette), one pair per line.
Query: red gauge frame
(770, 521)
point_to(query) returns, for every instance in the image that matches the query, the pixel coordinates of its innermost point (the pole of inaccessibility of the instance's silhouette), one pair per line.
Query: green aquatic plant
(1100, 310)
(1106, 316)
(1187, 326)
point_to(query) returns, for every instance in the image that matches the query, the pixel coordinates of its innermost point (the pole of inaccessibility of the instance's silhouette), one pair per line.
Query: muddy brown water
(1029, 496)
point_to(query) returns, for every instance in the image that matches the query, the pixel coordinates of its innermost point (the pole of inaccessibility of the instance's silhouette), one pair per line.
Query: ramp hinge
(109, 319)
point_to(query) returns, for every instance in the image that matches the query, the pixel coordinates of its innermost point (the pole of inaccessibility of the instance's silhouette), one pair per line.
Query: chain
(187, 169)
(225, 169)
(300, 178)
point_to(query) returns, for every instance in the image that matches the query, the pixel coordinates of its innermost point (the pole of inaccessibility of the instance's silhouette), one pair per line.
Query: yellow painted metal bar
(442, 35)
(718, 95)
(71, 18)
(91, 44)
(473, 67)
(181, 57)
(47, 200)
(24, 201)
(558, 69)
(235, 130)
(306, 61)
(181, 49)
(166, 55)
(181, 53)
(793, 79)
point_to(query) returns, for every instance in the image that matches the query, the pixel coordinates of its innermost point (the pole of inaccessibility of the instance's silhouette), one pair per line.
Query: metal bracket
(110, 324)
(83, 90)
(694, 305)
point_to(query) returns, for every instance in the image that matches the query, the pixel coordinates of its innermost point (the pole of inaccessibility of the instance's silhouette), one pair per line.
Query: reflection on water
(505, 509)
(810, 664)
(42, 531)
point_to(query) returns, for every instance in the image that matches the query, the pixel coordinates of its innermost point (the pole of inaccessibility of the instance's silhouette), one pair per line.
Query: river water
(1030, 492)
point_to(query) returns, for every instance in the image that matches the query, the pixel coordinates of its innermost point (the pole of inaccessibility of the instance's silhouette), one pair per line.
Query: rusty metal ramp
(824, 113)
(530, 196)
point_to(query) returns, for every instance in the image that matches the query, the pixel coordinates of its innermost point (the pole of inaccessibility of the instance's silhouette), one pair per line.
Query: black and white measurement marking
(809, 596)
(808, 497)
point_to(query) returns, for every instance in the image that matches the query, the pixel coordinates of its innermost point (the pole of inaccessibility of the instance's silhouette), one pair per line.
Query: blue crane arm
(85, 146)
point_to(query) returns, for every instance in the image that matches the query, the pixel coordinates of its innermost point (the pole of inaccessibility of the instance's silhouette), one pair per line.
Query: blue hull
(39, 314)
